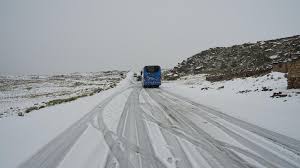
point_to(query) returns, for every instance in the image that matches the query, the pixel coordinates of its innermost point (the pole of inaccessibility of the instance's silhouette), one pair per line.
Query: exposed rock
(21, 114)
(278, 95)
(244, 91)
(264, 89)
(221, 87)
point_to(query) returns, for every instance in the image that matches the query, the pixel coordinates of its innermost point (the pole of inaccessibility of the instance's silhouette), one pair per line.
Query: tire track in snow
(289, 157)
(181, 159)
(267, 155)
(282, 140)
(131, 146)
(217, 155)
(54, 152)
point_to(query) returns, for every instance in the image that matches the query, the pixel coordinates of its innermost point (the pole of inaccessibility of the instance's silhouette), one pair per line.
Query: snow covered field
(246, 100)
(129, 126)
(20, 137)
(31, 92)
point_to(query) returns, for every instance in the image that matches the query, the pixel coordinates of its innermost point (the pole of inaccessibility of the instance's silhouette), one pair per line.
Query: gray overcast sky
(50, 36)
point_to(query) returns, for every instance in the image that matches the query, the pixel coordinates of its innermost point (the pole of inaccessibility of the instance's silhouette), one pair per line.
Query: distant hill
(239, 60)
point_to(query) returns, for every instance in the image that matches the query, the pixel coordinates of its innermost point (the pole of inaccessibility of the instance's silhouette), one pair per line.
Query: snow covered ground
(129, 126)
(20, 137)
(244, 99)
(20, 93)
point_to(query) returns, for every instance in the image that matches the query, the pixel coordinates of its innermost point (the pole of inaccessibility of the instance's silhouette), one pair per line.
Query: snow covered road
(137, 127)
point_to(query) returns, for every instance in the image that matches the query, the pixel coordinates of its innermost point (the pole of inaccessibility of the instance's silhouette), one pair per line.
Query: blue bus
(151, 76)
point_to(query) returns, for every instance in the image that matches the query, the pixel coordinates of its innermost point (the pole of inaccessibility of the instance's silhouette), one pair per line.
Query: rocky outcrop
(239, 60)
(294, 74)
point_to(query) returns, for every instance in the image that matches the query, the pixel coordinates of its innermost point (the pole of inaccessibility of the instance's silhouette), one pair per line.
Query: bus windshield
(152, 69)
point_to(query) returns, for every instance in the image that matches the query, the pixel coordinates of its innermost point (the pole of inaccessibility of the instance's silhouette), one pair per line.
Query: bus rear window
(152, 69)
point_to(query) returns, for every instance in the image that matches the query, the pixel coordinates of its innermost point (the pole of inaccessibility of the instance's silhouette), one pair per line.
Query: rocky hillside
(239, 60)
